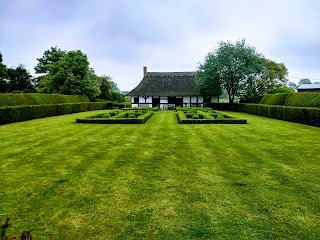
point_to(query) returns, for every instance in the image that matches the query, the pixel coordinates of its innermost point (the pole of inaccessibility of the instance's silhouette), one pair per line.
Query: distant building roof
(166, 84)
(309, 86)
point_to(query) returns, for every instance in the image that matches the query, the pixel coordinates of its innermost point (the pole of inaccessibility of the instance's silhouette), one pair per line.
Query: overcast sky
(121, 36)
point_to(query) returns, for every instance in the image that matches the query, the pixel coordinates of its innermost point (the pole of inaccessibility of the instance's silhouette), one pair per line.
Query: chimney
(145, 71)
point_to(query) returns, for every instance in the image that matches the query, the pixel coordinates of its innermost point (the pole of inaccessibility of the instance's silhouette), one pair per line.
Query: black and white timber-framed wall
(167, 89)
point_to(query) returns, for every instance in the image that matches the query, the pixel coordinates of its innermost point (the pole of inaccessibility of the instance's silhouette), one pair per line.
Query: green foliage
(209, 117)
(273, 76)
(10, 99)
(304, 115)
(304, 81)
(241, 71)
(303, 99)
(24, 113)
(283, 90)
(122, 117)
(69, 75)
(160, 180)
(3, 75)
(274, 99)
(19, 79)
(195, 116)
(142, 108)
(49, 59)
(229, 66)
(300, 99)
(292, 85)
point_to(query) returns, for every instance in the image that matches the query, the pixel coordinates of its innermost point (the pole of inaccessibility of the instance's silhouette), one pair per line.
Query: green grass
(160, 180)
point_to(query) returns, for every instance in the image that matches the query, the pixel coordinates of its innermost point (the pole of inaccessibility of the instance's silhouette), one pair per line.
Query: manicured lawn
(160, 180)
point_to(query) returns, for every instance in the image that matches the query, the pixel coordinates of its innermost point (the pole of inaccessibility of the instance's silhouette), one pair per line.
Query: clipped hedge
(303, 99)
(182, 119)
(24, 113)
(309, 116)
(275, 99)
(300, 99)
(22, 99)
(139, 120)
(142, 108)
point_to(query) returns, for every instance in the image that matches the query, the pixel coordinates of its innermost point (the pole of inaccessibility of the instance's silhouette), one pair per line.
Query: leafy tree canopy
(19, 79)
(240, 70)
(304, 81)
(3, 75)
(49, 58)
(292, 85)
(68, 75)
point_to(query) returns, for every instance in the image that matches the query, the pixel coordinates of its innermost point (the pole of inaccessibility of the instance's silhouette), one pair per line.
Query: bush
(131, 115)
(274, 99)
(195, 116)
(303, 99)
(182, 119)
(309, 116)
(22, 99)
(23, 113)
(140, 120)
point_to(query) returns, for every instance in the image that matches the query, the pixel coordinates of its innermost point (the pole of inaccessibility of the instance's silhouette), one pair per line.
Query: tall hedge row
(274, 99)
(23, 113)
(309, 116)
(301, 99)
(10, 99)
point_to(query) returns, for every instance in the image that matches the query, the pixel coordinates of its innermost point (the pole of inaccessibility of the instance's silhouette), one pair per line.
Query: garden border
(139, 120)
(182, 119)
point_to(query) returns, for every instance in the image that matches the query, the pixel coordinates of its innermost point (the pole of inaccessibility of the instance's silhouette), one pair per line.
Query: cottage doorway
(178, 102)
(155, 101)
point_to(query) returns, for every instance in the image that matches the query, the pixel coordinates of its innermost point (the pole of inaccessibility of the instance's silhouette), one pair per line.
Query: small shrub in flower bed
(118, 117)
(142, 108)
(206, 116)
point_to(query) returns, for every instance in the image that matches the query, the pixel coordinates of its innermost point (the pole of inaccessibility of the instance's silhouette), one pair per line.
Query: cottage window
(171, 100)
(136, 100)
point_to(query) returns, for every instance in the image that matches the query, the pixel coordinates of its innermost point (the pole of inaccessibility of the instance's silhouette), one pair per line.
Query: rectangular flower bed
(118, 117)
(206, 116)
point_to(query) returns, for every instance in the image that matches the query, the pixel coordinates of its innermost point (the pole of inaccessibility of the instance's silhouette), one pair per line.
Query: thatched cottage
(165, 89)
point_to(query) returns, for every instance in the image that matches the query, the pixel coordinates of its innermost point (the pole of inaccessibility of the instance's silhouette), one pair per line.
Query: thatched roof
(166, 84)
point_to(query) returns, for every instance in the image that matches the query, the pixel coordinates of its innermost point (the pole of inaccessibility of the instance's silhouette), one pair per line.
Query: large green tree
(3, 75)
(304, 81)
(272, 77)
(49, 58)
(19, 79)
(241, 71)
(230, 66)
(67, 75)
(68, 72)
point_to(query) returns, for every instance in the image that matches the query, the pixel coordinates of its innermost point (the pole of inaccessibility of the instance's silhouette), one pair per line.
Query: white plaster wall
(186, 99)
(163, 99)
(193, 99)
(141, 99)
(149, 99)
(134, 105)
(200, 99)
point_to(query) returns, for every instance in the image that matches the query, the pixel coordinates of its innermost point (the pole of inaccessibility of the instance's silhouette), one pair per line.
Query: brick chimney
(145, 71)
